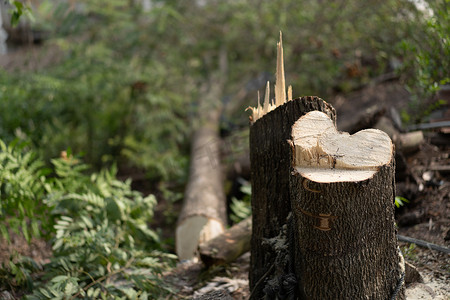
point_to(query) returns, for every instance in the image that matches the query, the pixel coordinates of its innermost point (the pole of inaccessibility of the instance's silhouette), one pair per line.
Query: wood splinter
(280, 89)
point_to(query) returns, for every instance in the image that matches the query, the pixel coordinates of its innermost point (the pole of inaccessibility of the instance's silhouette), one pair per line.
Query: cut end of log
(194, 231)
(323, 154)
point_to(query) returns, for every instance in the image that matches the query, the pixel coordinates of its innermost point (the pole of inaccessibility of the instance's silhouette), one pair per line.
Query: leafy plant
(400, 201)
(19, 273)
(410, 252)
(241, 209)
(19, 9)
(425, 53)
(100, 96)
(102, 245)
(23, 184)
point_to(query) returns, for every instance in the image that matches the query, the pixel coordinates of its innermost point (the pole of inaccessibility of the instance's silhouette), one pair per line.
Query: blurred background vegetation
(119, 81)
(122, 79)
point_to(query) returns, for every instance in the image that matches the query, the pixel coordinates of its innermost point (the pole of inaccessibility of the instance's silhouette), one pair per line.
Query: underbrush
(98, 228)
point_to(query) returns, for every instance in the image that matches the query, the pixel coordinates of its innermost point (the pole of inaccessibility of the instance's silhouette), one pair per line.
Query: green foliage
(19, 273)
(241, 209)
(425, 53)
(400, 201)
(102, 245)
(105, 95)
(23, 184)
(410, 252)
(19, 9)
(95, 109)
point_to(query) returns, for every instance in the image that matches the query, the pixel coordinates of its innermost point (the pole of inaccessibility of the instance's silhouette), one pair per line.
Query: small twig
(422, 243)
(92, 278)
(127, 265)
(425, 126)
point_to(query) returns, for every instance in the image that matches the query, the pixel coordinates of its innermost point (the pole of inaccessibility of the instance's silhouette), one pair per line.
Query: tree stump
(270, 160)
(322, 204)
(342, 195)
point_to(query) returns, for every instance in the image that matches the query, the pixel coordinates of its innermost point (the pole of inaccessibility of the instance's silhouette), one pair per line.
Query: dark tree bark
(270, 159)
(342, 197)
(323, 208)
(345, 240)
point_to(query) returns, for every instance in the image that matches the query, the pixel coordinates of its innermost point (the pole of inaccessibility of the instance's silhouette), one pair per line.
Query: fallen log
(203, 214)
(405, 143)
(424, 244)
(228, 246)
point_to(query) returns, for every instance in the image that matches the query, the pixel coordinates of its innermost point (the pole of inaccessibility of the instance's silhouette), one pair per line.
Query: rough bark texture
(228, 246)
(270, 158)
(345, 239)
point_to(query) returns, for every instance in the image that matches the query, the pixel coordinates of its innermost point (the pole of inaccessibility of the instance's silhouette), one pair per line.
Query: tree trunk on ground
(405, 143)
(203, 215)
(270, 160)
(228, 246)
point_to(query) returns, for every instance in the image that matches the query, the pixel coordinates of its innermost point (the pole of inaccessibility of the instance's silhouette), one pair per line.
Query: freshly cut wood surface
(323, 154)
